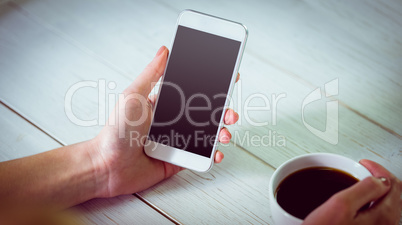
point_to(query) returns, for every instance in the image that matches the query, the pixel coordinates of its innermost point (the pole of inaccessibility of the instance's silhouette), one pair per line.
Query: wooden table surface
(294, 47)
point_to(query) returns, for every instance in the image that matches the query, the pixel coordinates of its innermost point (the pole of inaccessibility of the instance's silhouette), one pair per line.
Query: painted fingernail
(161, 49)
(385, 181)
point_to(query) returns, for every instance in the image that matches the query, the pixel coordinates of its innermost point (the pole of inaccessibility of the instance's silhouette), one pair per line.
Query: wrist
(99, 168)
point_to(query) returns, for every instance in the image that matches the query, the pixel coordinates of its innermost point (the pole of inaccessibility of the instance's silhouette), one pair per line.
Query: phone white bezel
(213, 25)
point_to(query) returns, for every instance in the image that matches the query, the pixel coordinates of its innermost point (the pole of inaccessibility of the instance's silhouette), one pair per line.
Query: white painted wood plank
(44, 66)
(234, 192)
(125, 209)
(19, 139)
(372, 22)
(116, 33)
(40, 47)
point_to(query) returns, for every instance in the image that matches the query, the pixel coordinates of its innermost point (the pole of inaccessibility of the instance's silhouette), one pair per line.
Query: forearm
(55, 179)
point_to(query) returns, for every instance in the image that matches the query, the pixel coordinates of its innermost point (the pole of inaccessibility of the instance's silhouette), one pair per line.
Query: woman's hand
(121, 164)
(344, 207)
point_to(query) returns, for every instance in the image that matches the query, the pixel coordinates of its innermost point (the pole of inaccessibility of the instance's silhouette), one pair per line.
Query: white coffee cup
(279, 215)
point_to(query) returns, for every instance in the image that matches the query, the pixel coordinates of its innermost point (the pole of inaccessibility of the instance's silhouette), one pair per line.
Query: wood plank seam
(167, 216)
(8, 106)
(167, 6)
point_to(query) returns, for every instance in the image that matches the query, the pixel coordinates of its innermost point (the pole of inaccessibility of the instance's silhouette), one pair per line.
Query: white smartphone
(192, 99)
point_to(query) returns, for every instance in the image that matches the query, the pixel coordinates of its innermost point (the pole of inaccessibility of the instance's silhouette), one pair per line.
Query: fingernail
(160, 51)
(385, 181)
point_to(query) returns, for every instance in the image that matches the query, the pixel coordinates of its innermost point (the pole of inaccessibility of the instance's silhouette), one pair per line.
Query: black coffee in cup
(303, 191)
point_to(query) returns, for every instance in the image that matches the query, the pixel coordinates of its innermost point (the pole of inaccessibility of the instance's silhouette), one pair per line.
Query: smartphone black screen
(194, 90)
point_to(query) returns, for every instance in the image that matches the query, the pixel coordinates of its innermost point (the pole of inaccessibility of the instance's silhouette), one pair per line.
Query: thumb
(363, 192)
(376, 169)
(144, 83)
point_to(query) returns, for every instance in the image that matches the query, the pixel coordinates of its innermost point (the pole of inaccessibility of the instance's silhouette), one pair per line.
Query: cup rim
(271, 182)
